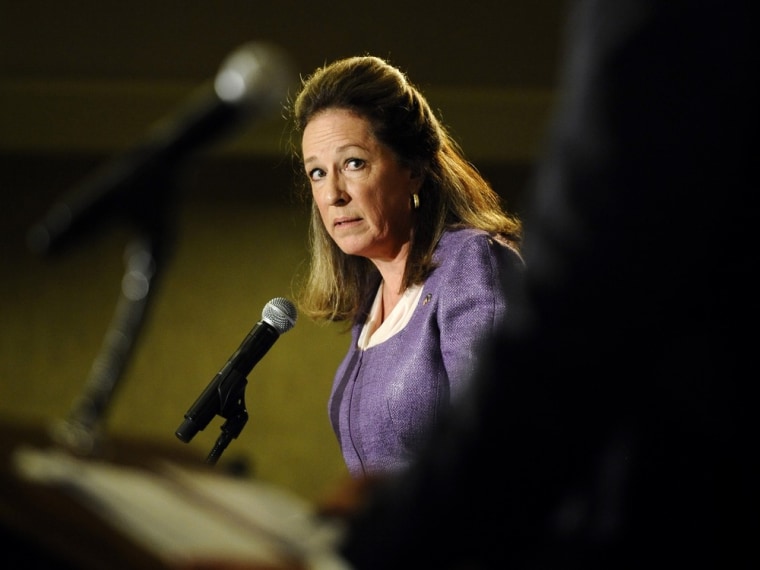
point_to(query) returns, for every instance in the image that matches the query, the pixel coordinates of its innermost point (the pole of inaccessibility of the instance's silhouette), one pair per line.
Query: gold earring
(415, 201)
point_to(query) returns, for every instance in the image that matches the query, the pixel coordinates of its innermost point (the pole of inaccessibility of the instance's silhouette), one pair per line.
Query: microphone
(252, 81)
(224, 395)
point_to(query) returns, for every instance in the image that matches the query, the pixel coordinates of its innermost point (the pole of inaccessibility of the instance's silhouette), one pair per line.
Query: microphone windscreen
(280, 313)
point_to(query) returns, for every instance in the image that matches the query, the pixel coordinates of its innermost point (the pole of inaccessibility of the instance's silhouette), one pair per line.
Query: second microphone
(278, 316)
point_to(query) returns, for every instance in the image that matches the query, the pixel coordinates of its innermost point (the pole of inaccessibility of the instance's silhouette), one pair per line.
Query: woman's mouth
(342, 222)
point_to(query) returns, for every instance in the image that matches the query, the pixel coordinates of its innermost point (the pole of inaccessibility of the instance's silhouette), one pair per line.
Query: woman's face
(360, 188)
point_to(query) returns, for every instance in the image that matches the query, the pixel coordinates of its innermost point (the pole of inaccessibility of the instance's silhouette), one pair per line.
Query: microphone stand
(236, 417)
(80, 431)
(148, 209)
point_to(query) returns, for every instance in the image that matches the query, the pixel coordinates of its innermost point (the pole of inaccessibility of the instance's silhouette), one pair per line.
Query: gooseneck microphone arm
(225, 395)
(137, 187)
(251, 83)
(81, 430)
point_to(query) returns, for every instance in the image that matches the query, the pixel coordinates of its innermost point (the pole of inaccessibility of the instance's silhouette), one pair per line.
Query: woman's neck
(391, 297)
(392, 289)
(392, 272)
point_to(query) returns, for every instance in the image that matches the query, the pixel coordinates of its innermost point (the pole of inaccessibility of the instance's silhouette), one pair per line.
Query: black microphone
(223, 395)
(252, 81)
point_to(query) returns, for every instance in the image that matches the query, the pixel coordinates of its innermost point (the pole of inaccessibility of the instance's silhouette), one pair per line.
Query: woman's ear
(415, 182)
(417, 169)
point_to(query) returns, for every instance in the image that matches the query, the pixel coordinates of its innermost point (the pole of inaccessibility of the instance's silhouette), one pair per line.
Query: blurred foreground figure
(611, 423)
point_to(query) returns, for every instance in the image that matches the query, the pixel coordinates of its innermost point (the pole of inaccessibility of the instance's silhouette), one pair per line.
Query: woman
(409, 244)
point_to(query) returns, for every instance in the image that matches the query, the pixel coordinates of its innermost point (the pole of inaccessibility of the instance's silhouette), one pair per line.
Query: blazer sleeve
(473, 301)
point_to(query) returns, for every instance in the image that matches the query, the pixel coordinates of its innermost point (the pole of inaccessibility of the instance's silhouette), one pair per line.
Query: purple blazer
(384, 398)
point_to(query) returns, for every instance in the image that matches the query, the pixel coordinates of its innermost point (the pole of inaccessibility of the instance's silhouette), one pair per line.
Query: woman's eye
(315, 174)
(354, 164)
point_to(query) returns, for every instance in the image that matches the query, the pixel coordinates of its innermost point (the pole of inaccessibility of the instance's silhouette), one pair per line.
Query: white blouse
(396, 320)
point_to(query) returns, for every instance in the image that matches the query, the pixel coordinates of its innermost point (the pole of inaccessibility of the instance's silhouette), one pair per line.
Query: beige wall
(235, 251)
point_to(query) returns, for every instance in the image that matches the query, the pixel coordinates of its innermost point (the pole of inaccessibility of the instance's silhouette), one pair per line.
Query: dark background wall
(81, 81)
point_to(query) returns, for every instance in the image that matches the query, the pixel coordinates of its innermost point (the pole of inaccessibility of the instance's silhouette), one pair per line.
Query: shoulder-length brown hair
(453, 192)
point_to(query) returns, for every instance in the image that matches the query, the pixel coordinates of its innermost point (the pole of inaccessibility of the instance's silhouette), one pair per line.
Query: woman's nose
(335, 192)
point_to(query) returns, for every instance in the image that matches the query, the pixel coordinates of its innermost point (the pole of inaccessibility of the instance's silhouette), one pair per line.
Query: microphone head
(257, 74)
(280, 313)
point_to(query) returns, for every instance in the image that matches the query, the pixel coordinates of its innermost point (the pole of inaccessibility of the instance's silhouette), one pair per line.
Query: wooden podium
(135, 505)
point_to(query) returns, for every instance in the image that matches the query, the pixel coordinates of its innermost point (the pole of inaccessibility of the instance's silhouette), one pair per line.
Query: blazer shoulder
(458, 240)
